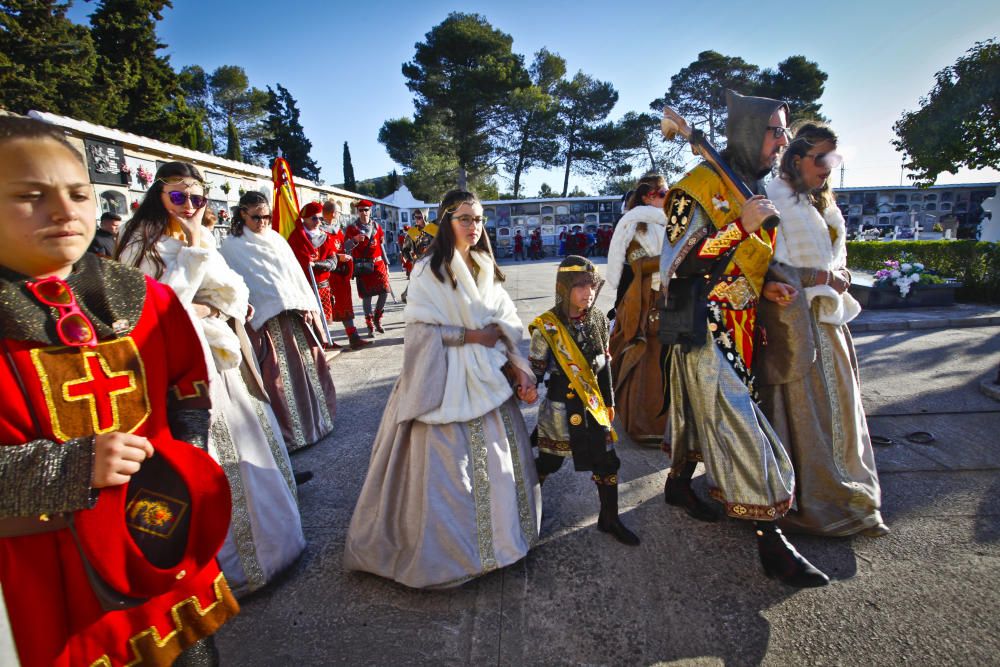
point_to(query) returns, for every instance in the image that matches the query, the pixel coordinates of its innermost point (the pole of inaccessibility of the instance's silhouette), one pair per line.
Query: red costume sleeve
(187, 376)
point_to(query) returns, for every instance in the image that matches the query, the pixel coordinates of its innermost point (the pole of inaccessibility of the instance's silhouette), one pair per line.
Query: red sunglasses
(73, 327)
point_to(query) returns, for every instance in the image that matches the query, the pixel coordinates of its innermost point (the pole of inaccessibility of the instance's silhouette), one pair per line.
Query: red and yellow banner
(285, 210)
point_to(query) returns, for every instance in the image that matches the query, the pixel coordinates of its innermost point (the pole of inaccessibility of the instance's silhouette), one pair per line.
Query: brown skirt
(636, 359)
(297, 378)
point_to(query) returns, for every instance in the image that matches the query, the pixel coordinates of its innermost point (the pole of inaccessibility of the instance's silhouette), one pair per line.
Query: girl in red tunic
(99, 366)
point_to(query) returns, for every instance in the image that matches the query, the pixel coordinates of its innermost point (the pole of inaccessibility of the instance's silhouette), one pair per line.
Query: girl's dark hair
(807, 135)
(151, 218)
(442, 248)
(650, 182)
(249, 199)
(19, 127)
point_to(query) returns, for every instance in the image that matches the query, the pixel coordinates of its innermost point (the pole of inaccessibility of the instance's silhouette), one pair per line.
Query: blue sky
(342, 60)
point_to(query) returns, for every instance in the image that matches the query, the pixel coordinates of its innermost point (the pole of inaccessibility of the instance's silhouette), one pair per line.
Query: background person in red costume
(314, 249)
(340, 278)
(365, 238)
(101, 367)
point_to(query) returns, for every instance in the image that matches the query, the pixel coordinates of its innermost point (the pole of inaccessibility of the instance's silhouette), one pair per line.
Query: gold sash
(577, 369)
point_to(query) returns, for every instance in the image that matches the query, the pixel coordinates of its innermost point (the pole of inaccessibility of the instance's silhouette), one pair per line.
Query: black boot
(608, 520)
(678, 492)
(782, 562)
(357, 342)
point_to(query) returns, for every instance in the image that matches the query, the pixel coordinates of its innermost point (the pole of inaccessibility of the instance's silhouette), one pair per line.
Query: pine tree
(350, 183)
(136, 89)
(283, 130)
(233, 151)
(47, 62)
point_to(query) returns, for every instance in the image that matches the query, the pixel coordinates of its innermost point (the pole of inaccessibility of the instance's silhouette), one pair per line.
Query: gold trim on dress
(481, 495)
(299, 437)
(221, 439)
(529, 528)
(312, 372)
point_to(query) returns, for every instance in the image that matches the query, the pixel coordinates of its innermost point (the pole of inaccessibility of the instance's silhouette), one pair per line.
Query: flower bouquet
(143, 176)
(904, 274)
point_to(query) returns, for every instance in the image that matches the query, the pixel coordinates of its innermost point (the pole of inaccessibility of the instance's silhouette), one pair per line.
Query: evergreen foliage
(47, 62)
(584, 104)
(958, 123)
(462, 76)
(283, 130)
(350, 183)
(135, 89)
(698, 91)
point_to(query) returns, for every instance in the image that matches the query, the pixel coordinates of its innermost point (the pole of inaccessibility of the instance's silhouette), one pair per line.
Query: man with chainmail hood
(569, 343)
(713, 266)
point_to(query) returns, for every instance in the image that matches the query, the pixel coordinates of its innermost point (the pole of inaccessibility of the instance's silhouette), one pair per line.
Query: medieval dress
(146, 376)
(809, 384)
(713, 415)
(294, 368)
(451, 491)
(636, 353)
(265, 535)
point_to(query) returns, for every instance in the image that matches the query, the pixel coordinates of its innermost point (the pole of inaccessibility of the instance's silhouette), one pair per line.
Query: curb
(990, 389)
(906, 325)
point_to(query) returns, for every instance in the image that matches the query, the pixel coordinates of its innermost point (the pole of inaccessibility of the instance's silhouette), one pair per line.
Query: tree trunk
(463, 178)
(569, 162)
(519, 168)
(649, 152)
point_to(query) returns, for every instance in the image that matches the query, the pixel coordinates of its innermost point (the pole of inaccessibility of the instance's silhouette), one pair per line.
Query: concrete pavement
(691, 593)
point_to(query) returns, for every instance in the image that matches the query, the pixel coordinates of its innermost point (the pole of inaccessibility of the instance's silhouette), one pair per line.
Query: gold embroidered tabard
(576, 368)
(93, 391)
(705, 188)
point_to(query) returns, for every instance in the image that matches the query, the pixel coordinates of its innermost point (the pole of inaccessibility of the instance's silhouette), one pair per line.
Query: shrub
(976, 264)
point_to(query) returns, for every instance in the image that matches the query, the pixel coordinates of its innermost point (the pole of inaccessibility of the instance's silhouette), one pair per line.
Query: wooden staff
(674, 124)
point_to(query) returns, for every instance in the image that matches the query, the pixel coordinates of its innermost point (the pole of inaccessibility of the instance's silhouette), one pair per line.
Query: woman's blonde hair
(807, 135)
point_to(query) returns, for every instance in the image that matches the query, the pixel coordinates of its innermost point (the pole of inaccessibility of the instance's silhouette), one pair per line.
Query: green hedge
(975, 263)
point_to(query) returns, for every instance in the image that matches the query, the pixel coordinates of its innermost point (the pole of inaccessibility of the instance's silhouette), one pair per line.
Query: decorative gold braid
(150, 648)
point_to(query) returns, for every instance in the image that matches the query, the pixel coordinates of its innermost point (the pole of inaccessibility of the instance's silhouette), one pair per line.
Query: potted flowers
(126, 172)
(225, 187)
(903, 283)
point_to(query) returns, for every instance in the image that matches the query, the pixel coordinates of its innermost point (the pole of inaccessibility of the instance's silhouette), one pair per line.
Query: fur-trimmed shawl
(651, 239)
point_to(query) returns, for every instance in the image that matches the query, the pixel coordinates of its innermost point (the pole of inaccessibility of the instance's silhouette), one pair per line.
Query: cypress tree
(349, 181)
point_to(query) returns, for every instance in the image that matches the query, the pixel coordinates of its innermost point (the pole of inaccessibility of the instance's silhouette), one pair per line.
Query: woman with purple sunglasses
(165, 239)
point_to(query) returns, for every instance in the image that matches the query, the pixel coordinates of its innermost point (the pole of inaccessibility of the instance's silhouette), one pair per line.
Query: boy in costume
(569, 343)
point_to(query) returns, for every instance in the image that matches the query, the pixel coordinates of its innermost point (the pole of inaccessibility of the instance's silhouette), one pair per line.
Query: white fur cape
(272, 273)
(803, 241)
(474, 383)
(202, 275)
(651, 240)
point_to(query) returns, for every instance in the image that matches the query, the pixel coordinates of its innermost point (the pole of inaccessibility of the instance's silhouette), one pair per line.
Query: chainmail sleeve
(538, 355)
(190, 425)
(46, 477)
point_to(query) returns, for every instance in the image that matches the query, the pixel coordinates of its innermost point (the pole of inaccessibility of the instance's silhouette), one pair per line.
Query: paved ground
(691, 593)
